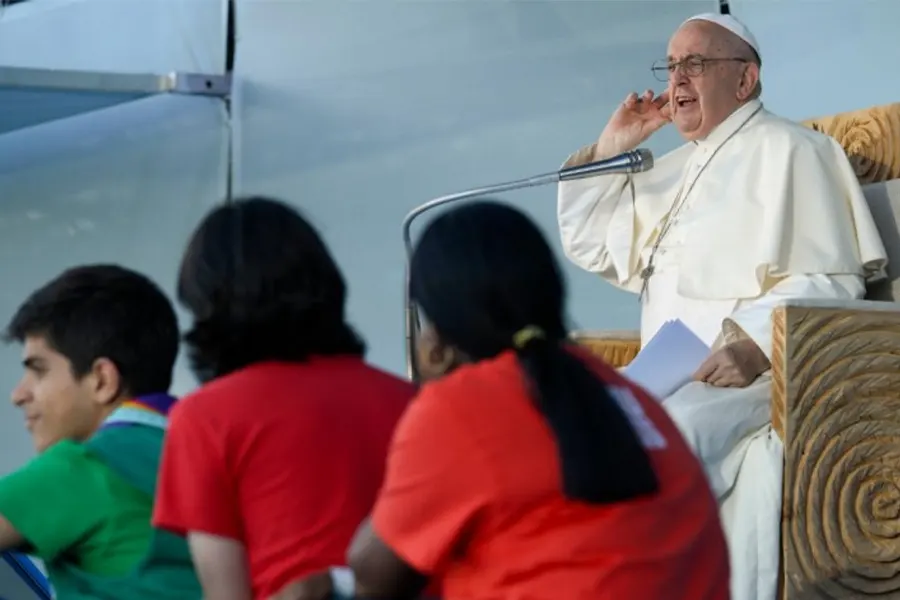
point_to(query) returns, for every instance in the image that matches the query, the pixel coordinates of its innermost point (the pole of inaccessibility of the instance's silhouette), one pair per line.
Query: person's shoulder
(66, 457)
(233, 386)
(228, 394)
(781, 134)
(386, 381)
(118, 439)
(673, 159)
(470, 384)
(64, 452)
(442, 406)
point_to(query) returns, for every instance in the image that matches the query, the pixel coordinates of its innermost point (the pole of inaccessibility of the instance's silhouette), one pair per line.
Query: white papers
(668, 360)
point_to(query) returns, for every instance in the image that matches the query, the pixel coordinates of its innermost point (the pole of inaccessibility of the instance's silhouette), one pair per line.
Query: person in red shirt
(271, 465)
(526, 468)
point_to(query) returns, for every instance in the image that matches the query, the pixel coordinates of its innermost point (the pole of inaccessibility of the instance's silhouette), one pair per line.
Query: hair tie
(526, 334)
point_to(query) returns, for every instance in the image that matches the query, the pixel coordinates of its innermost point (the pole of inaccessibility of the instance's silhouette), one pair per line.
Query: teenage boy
(99, 344)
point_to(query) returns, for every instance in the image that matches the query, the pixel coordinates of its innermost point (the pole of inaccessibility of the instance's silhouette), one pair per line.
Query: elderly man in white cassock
(753, 210)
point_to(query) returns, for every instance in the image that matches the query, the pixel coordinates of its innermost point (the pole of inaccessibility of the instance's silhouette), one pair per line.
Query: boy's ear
(104, 381)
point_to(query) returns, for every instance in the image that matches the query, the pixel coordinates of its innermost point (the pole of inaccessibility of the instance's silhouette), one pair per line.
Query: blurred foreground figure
(272, 464)
(753, 210)
(526, 468)
(100, 343)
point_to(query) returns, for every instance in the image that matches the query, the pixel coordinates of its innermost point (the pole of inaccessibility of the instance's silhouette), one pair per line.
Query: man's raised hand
(635, 120)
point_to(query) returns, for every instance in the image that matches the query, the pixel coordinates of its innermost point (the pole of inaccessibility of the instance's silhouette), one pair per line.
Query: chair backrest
(871, 139)
(884, 202)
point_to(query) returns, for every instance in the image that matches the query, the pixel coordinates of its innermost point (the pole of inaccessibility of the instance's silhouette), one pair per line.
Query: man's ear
(749, 81)
(104, 381)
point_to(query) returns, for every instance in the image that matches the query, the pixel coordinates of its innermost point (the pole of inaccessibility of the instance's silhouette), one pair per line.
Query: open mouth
(683, 102)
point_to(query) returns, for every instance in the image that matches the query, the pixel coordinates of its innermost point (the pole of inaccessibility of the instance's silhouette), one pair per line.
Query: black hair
(483, 272)
(261, 285)
(105, 311)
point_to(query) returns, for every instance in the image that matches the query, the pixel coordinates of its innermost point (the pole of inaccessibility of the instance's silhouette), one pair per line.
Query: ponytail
(601, 456)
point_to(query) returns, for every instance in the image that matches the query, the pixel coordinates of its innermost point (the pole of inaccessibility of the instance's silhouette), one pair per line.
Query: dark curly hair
(261, 285)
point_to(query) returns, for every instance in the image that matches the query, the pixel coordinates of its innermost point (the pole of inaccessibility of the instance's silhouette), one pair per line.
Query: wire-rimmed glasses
(692, 66)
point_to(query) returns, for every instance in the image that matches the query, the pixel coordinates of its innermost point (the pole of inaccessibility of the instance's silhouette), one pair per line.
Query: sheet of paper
(668, 360)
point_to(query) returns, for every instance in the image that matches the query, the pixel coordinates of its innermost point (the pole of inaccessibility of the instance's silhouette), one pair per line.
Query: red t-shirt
(284, 457)
(472, 495)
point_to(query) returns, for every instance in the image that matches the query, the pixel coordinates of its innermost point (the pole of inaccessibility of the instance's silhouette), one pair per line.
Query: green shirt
(66, 502)
(85, 509)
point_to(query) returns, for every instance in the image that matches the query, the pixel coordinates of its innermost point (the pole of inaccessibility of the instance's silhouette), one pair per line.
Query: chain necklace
(680, 202)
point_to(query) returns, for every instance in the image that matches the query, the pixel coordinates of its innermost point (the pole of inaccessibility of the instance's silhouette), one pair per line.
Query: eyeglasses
(692, 66)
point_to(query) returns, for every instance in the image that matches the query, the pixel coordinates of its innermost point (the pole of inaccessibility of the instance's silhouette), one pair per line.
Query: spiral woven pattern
(871, 139)
(842, 463)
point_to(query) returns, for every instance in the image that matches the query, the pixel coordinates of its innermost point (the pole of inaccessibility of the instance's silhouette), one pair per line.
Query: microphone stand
(629, 162)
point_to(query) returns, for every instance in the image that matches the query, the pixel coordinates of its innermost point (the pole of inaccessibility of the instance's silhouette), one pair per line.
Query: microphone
(627, 163)
(635, 161)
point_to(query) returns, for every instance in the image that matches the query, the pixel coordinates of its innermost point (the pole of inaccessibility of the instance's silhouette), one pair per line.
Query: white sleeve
(755, 318)
(584, 210)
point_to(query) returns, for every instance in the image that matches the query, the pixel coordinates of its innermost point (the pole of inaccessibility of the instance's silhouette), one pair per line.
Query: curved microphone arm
(634, 161)
(412, 321)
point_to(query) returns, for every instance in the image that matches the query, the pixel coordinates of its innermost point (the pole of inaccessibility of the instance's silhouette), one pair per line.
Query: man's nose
(677, 76)
(19, 395)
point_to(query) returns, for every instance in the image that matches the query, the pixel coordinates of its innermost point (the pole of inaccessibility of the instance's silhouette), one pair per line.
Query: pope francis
(752, 210)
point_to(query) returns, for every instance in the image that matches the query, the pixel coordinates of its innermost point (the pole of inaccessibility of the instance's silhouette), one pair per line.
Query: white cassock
(770, 210)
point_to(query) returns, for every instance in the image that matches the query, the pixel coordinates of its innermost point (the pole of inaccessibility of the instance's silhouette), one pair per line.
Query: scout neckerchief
(151, 410)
